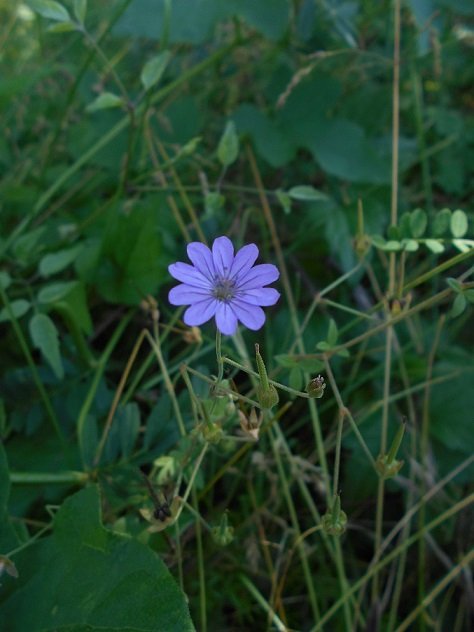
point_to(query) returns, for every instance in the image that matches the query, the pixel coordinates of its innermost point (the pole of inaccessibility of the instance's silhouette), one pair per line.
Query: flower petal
(201, 257)
(259, 276)
(200, 313)
(222, 255)
(243, 261)
(251, 316)
(259, 296)
(188, 274)
(226, 320)
(184, 294)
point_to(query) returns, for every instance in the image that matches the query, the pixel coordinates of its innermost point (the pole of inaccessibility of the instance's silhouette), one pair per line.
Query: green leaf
(62, 27)
(284, 200)
(228, 148)
(18, 307)
(441, 222)
(464, 245)
(87, 577)
(332, 333)
(57, 261)
(392, 246)
(454, 284)
(469, 294)
(311, 365)
(128, 423)
(56, 291)
(50, 9)
(213, 203)
(5, 279)
(459, 305)
(296, 378)
(307, 193)
(154, 68)
(410, 245)
(105, 101)
(459, 224)
(434, 245)
(80, 10)
(45, 337)
(418, 222)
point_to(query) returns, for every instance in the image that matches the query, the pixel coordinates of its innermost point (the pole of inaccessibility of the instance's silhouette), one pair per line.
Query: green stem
(220, 361)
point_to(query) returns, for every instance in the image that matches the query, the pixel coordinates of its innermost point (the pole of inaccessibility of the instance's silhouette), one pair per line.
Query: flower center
(224, 289)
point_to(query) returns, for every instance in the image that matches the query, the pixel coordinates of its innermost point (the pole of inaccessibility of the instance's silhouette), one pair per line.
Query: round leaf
(458, 224)
(418, 222)
(434, 245)
(228, 148)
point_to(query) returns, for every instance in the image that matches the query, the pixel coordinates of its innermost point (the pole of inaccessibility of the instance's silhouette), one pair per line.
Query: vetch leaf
(434, 245)
(62, 27)
(105, 101)
(154, 68)
(441, 222)
(228, 148)
(56, 291)
(80, 10)
(458, 224)
(57, 261)
(410, 245)
(332, 333)
(418, 222)
(45, 337)
(459, 305)
(454, 284)
(18, 307)
(50, 9)
(307, 193)
(87, 577)
(464, 245)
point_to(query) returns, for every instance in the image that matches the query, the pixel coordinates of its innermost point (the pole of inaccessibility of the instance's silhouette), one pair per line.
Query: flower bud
(266, 392)
(223, 534)
(387, 465)
(192, 335)
(316, 387)
(334, 520)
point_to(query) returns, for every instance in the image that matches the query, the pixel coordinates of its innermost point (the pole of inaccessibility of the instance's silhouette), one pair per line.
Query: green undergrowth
(147, 483)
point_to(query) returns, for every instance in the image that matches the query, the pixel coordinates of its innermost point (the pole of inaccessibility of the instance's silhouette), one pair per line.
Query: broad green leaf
(228, 148)
(459, 305)
(441, 222)
(87, 577)
(5, 279)
(50, 9)
(57, 261)
(80, 10)
(434, 245)
(459, 224)
(18, 307)
(105, 101)
(45, 337)
(307, 193)
(296, 378)
(418, 222)
(154, 68)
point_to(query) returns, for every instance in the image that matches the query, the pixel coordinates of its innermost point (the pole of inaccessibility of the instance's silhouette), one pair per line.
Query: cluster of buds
(266, 393)
(334, 520)
(387, 465)
(316, 387)
(192, 335)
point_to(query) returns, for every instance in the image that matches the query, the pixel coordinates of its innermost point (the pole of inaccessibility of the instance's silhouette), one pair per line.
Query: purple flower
(220, 284)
